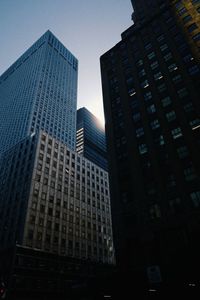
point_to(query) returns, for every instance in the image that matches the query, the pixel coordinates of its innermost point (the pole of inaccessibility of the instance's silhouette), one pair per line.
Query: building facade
(150, 83)
(39, 91)
(90, 138)
(54, 200)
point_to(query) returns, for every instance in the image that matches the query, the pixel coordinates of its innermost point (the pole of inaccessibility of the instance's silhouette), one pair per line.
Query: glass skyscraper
(39, 91)
(90, 138)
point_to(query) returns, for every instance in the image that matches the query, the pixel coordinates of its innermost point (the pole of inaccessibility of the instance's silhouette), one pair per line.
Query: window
(172, 67)
(182, 152)
(154, 65)
(189, 173)
(136, 117)
(193, 70)
(139, 63)
(151, 109)
(147, 96)
(159, 140)
(155, 124)
(171, 116)
(151, 55)
(160, 38)
(182, 11)
(166, 101)
(177, 78)
(192, 27)
(171, 181)
(195, 196)
(175, 205)
(186, 19)
(139, 132)
(195, 123)
(155, 212)
(176, 133)
(182, 92)
(188, 57)
(162, 87)
(148, 46)
(158, 76)
(196, 37)
(131, 92)
(145, 84)
(168, 56)
(142, 148)
(142, 73)
(188, 107)
(163, 47)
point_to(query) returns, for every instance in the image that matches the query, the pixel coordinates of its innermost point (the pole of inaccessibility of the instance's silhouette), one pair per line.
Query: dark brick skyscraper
(151, 87)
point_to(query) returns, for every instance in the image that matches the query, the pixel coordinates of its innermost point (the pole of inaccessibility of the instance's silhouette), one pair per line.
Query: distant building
(39, 91)
(90, 138)
(151, 88)
(54, 200)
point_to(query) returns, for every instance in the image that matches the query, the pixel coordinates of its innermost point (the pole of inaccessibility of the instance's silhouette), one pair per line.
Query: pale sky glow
(88, 28)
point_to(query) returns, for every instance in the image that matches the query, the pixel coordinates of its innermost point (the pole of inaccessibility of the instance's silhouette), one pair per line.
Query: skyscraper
(54, 200)
(90, 138)
(150, 82)
(39, 91)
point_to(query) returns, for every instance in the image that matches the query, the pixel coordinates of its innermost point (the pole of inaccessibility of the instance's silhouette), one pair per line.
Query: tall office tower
(150, 82)
(90, 138)
(54, 200)
(39, 91)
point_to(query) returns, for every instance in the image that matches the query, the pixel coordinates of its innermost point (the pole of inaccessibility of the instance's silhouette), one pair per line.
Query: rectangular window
(148, 46)
(172, 67)
(151, 55)
(182, 152)
(144, 84)
(187, 19)
(192, 27)
(188, 107)
(195, 124)
(195, 196)
(155, 124)
(151, 109)
(161, 88)
(142, 149)
(193, 70)
(136, 117)
(158, 76)
(166, 101)
(163, 47)
(182, 11)
(171, 116)
(189, 174)
(142, 73)
(147, 96)
(196, 37)
(160, 38)
(139, 62)
(176, 133)
(154, 65)
(139, 132)
(177, 78)
(182, 92)
(168, 56)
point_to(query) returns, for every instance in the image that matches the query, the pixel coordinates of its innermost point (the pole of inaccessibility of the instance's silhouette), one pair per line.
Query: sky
(88, 28)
